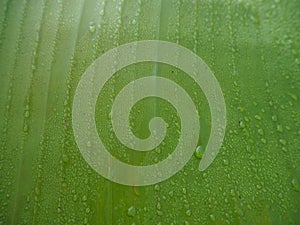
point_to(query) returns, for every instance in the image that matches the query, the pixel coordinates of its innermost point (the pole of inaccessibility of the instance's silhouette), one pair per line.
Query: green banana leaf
(253, 49)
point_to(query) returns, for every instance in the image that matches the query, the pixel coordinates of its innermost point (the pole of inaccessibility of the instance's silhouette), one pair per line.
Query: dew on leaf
(188, 212)
(84, 198)
(92, 27)
(212, 217)
(158, 206)
(131, 211)
(279, 128)
(260, 131)
(199, 152)
(258, 117)
(274, 118)
(282, 141)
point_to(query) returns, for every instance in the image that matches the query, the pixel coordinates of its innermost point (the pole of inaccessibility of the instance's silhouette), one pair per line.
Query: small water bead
(88, 144)
(253, 157)
(26, 114)
(159, 213)
(188, 212)
(241, 109)
(92, 27)
(264, 141)
(258, 117)
(212, 217)
(59, 210)
(199, 152)
(242, 124)
(75, 197)
(279, 128)
(271, 103)
(84, 198)
(225, 162)
(261, 131)
(131, 211)
(85, 221)
(283, 142)
(37, 191)
(25, 128)
(158, 206)
(274, 118)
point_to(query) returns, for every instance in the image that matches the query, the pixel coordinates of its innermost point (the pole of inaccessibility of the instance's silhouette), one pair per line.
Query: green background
(251, 46)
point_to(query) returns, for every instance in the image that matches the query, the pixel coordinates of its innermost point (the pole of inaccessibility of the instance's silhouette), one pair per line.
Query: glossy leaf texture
(252, 47)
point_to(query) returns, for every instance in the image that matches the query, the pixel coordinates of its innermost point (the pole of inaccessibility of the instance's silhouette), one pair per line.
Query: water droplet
(75, 198)
(271, 103)
(199, 152)
(59, 210)
(282, 141)
(158, 206)
(225, 162)
(25, 128)
(274, 118)
(156, 187)
(85, 221)
(258, 117)
(279, 128)
(37, 191)
(88, 144)
(92, 27)
(242, 124)
(261, 131)
(84, 198)
(188, 212)
(253, 157)
(212, 217)
(131, 211)
(26, 114)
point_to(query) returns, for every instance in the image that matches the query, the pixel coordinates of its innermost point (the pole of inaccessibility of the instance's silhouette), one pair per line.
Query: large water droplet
(199, 152)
